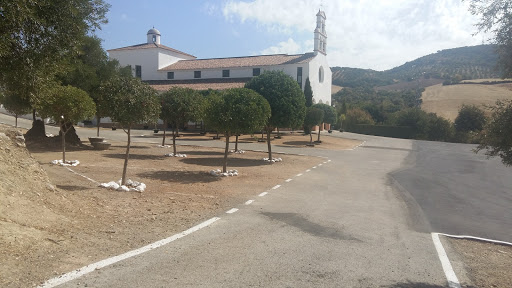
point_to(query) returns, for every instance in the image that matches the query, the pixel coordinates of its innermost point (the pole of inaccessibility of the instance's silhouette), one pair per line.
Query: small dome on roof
(153, 31)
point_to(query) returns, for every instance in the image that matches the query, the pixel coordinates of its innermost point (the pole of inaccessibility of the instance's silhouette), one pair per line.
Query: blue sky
(376, 34)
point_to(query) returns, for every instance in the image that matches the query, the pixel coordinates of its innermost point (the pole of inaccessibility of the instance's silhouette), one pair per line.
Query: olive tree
(130, 102)
(236, 111)
(496, 137)
(66, 105)
(313, 117)
(180, 105)
(15, 105)
(470, 118)
(286, 99)
(330, 116)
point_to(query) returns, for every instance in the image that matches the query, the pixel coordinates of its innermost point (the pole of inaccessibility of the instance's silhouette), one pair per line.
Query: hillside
(474, 62)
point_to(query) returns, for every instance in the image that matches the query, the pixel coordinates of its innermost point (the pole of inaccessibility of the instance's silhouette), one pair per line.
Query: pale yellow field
(446, 101)
(335, 89)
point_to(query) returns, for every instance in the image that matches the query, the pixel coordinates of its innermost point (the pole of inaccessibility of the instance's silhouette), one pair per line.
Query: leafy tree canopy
(286, 99)
(180, 105)
(330, 114)
(470, 118)
(14, 104)
(67, 104)
(497, 136)
(314, 116)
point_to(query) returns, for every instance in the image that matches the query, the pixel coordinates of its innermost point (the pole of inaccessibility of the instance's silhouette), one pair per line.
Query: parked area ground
(54, 221)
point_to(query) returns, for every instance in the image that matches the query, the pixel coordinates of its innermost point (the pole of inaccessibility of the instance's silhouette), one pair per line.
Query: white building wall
(321, 91)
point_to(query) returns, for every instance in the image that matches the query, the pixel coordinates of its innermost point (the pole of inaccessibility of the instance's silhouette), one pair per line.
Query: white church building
(163, 67)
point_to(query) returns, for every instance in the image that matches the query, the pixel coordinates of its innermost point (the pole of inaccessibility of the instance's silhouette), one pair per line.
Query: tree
(495, 17)
(356, 116)
(66, 105)
(308, 93)
(470, 119)
(497, 135)
(15, 105)
(313, 117)
(286, 99)
(329, 115)
(130, 101)
(236, 111)
(180, 105)
(438, 128)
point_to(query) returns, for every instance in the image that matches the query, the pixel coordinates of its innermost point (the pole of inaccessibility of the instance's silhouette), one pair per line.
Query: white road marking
(231, 211)
(288, 180)
(249, 202)
(275, 187)
(329, 160)
(263, 194)
(320, 164)
(308, 170)
(106, 262)
(298, 175)
(476, 238)
(325, 162)
(314, 167)
(453, 282)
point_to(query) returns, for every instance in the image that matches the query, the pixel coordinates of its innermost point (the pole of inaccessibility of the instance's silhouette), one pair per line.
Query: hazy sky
(376, 34)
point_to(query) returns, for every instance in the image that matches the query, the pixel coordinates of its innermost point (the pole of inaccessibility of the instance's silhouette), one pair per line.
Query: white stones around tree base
(218, 173)
(177, 155)
(164, 146)
(129, 186)
(237, 152)
(67, 163)
(273, 160)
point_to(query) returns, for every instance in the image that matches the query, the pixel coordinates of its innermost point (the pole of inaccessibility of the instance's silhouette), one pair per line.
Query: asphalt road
(459, 192)
(362, 220)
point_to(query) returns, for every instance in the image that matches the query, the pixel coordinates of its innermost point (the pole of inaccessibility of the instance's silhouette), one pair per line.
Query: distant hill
(474, 62)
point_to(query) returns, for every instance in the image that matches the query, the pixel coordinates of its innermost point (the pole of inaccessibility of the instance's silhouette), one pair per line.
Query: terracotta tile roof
(148, 46)
(199, 84)
(234, 62)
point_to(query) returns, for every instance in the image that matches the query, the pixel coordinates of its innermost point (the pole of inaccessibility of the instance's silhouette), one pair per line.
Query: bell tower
(153, 36)
(320, 34)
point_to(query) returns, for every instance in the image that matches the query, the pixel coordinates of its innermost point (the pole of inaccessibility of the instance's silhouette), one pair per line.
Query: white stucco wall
(321, 91)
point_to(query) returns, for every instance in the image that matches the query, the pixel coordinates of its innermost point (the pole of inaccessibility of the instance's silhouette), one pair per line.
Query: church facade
(163, 67)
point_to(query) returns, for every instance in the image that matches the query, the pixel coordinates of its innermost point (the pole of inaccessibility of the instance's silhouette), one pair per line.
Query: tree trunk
(226, 150)
(15, 120)
(278, 134)
(63, 136)
(310, 138)
(123, 179)
(174, 141)
(269, 131)
(98, 119)
(165, 128)
(318, 140)
(34, 117)
(236, 143)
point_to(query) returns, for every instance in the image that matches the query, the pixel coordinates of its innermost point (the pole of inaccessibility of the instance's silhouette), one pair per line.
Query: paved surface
(460, 192)
(343, 224)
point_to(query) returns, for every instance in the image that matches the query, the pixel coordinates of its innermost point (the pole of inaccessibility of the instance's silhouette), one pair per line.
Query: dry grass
(446, 101)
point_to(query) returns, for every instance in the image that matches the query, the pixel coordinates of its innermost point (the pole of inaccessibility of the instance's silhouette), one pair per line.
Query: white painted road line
(320, 164)
(93, 181)
(325, 162)
(308, 170)
(263, 194)
(231, 211)
(314, 167)
(249, 202)
(275, 187)
(298, 175)
(476, 238)
(288, 180)
(328, 160)
(103, 263)
(453, 282)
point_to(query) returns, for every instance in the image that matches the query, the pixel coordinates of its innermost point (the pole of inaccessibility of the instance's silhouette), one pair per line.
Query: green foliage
(496, 17)
(130, 101)
(308, 93)
(470, 118)
(283, 93)
(314, 116)
(15, 104)
(357, 116)
(330, 114)
(439, 129)
(67, 104)
(236, 111)
(424, 125)
(37, 36)
(180, 105)
(496, 138)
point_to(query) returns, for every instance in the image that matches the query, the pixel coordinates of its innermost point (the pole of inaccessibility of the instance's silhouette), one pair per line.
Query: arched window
(154, 38)
(321, 74)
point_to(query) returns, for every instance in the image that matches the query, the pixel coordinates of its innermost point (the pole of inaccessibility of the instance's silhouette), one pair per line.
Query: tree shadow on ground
(72, 187)
(136, 156)
(410, 284)
(297, 143)
(217, 162)
(183, 177)
(191, 152)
